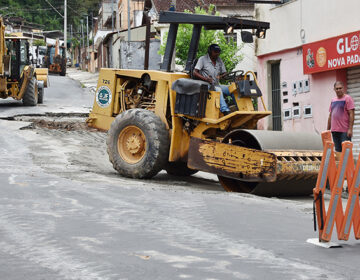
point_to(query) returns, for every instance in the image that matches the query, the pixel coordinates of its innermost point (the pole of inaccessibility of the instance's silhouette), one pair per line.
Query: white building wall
(137, 35)
(293, 24)
(319, 19)
(245, 11)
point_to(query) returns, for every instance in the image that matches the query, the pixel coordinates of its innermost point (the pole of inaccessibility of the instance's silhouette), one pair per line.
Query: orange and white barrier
(335, 175)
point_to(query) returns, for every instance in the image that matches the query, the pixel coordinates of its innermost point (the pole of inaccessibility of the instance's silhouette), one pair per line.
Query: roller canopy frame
(199, 21)
(212, 22)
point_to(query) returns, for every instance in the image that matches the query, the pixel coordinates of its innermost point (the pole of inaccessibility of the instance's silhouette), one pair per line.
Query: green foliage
(39, 42)
(40, 12)
(207, 37)
(75, 42)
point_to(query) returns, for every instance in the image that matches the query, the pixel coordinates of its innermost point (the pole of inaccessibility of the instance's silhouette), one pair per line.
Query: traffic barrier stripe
(334, 176)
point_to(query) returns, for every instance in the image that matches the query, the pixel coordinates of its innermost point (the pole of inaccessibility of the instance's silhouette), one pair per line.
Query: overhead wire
(54, 8)
(73, 10)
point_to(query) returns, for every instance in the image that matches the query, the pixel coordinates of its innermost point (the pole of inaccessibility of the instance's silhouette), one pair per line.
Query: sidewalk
(87, 79)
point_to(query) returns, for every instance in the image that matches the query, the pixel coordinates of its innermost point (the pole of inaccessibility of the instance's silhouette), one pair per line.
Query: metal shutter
(353, 89)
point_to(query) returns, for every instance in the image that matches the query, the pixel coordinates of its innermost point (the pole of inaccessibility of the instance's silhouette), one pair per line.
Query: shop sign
(333, 53)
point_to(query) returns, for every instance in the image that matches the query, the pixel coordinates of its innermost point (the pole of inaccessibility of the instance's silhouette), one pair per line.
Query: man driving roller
(210, 68)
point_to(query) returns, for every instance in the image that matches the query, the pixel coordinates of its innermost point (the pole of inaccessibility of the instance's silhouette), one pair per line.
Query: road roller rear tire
(138, 144)
(179, 168)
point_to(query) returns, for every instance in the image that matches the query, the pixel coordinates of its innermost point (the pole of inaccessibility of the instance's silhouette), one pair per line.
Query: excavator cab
(18, 78)
(18, 51)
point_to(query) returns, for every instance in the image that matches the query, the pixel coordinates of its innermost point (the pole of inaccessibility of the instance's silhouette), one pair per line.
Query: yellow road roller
(163, 120)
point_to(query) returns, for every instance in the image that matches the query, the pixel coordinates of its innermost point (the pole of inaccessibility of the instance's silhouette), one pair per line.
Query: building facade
(136, 14)
(310, 45)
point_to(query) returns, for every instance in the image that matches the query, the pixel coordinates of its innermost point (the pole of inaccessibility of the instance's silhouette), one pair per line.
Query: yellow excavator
(18, 78)
(164, 120)
(55, 58)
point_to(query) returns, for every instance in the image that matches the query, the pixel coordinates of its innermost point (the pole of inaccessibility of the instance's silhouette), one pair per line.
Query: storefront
(341, 55)
(298, 83)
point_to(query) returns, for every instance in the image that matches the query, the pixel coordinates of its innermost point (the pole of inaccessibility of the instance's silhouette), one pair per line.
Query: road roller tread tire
(30, 97)
(179, 169)
(156, 147)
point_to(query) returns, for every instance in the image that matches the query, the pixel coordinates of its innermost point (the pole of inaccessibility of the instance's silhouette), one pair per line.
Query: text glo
(343, 45)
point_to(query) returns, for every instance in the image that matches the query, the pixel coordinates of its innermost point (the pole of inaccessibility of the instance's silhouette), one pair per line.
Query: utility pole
(65, 26)
(72, 54)
(112, 15)
(82, 38)
(129, 27)
(87, 36)
(93, 30)
(82, 34)
(79, 46)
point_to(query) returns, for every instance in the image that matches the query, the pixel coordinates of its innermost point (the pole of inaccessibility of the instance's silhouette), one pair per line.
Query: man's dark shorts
(338, 138)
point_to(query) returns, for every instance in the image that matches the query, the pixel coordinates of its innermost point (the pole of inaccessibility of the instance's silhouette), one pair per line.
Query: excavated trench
(61, 121)
(65, 146)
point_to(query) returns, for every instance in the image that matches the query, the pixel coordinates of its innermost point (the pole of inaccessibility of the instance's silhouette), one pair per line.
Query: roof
(100, 35)
(54, 34)
(17, 38)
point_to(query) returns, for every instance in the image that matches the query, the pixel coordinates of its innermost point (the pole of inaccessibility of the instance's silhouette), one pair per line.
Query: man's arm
(201, 77)
(351, 123)
(329, 122)
(200, 65)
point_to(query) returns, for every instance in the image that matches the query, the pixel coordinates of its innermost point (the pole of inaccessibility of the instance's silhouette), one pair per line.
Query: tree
(229, 49)
(41, 12)
(39, 42)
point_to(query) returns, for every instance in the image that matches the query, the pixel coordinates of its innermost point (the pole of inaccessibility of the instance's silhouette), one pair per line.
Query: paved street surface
(66, 214)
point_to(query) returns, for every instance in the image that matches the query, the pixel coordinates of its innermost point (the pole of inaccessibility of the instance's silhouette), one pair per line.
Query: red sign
(334, 53)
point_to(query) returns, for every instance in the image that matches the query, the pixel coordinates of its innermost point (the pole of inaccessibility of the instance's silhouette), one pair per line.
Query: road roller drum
(298, 158)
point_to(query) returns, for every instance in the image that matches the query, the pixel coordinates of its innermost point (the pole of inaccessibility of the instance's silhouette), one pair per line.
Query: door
(275, 96)
(353, 89)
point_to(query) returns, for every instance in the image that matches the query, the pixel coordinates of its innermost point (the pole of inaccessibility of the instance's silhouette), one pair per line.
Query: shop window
(287, 114)
(296, 112)
(307, 111)
(138, 15)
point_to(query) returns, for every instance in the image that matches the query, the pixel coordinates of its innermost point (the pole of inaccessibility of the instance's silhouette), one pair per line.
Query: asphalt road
(66, 214)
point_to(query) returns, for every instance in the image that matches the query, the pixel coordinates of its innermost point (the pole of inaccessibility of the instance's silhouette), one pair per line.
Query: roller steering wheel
(233, 75)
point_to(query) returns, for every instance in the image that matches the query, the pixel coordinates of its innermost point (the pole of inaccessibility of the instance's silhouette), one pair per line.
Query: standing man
(210, 68)
(341, 117)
